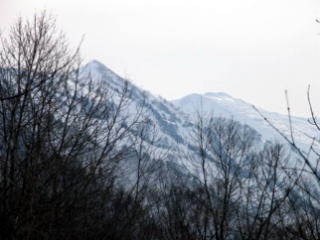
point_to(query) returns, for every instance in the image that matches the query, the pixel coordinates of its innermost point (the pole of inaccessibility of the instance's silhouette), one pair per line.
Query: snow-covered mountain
(175, 120)
(173, 125)
(223, 105)
(172, 122)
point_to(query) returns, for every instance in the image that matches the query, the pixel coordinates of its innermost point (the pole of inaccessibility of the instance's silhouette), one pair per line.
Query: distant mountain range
(175, 119)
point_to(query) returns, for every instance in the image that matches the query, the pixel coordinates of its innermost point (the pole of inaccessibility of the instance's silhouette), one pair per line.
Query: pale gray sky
(251, 49)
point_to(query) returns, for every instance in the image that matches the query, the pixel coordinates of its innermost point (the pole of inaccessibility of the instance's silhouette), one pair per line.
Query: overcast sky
(251, 49)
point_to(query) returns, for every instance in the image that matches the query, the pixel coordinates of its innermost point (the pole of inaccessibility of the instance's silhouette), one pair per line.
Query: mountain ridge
(175, 119)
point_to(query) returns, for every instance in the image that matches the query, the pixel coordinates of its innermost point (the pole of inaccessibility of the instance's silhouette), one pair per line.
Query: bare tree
(302, 205)
(61, 138)
(243, 181)
(224, 147)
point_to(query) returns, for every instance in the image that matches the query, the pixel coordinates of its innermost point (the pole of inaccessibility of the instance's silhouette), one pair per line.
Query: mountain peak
(99, 72)
(96, 65)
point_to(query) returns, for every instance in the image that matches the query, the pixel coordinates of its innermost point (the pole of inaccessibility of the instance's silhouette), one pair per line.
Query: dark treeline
(66, 147)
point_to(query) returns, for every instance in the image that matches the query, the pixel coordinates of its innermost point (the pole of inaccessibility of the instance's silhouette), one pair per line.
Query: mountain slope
(174, 121)
(223, 105)
(173, 128)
